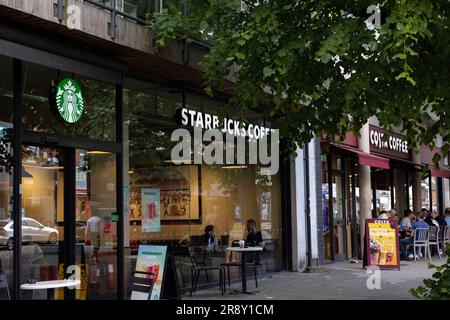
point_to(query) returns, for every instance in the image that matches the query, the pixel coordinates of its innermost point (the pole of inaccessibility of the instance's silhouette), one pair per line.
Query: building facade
(87, 108)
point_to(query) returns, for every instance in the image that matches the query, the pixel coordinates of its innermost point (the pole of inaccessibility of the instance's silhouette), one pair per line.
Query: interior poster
(382, 243)
(151, 218)
(151, 259)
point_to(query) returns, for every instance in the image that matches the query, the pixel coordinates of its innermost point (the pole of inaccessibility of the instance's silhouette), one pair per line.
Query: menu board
(382, 243)
(151, 258)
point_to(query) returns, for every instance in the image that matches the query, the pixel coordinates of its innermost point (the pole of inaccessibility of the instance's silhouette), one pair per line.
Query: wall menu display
(382, 243)
(151, 221)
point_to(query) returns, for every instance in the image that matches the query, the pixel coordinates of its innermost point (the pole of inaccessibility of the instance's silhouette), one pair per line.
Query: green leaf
(267, 72)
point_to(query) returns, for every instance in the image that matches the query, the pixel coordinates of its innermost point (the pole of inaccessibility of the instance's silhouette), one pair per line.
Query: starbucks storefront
(92, 143)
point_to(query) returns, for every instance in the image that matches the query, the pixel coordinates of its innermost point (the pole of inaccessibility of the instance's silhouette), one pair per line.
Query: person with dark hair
(447, 216)
(406, 224)
(404, 243)
(210, 240)
(253, 235)
(431, 219)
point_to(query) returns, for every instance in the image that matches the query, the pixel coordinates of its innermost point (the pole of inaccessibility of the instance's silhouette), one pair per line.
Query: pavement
(337, 281)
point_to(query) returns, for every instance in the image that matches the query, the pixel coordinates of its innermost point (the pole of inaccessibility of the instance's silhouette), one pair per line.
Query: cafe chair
(252, 261)
(434, 239)
(197, 268)
(138, 283)
(446, 237)
(422, 240)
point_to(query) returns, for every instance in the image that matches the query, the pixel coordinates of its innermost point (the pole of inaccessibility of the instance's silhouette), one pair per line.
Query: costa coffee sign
(389, 144)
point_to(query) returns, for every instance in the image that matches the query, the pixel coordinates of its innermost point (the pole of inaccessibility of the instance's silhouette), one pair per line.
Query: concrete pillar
(416, 181)
(298, 216)
(365, 190)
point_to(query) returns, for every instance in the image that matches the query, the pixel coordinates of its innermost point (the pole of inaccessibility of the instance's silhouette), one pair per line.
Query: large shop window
(97, 120)
(199, 205)
(6, 178)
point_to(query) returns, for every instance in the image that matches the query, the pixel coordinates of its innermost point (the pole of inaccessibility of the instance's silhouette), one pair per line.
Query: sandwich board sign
(159, 260)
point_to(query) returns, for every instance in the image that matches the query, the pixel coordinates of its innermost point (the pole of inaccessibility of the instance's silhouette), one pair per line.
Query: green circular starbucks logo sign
(69, 100)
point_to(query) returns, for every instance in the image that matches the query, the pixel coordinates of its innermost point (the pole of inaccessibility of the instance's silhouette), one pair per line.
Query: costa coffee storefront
(392, 186)
(397, 180)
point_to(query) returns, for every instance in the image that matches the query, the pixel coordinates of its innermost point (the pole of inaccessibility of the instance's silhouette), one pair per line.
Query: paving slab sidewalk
(338, 281)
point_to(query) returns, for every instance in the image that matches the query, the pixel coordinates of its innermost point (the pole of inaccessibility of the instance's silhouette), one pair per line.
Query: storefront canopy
(364, 158)
(442, 173)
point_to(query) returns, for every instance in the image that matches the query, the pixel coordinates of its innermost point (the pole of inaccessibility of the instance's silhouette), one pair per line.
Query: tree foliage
(438, 287)
(316, 67)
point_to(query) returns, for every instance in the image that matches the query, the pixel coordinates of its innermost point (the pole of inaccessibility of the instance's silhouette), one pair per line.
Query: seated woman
(210, 241)
(253, 234)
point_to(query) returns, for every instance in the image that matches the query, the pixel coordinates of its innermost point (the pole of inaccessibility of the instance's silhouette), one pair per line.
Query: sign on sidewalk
(382, 244)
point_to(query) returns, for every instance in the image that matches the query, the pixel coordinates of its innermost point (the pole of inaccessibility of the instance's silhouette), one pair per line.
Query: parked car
(32, 230)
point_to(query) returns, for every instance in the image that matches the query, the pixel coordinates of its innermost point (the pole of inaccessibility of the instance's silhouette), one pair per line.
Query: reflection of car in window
(32, 231)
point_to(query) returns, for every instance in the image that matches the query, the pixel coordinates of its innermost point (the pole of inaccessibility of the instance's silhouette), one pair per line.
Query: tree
(318, 67)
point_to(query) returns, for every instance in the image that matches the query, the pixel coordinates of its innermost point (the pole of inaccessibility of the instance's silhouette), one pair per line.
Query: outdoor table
(243, 252)
(50, 286)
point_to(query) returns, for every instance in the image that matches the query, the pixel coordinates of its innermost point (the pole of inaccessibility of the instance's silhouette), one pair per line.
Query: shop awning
(442, 173)
(364, 158)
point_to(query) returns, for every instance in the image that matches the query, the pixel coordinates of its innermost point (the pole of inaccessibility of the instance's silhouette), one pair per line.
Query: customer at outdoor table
(253, 234)
(383, 215)
(447, 216)
(410, 240)
(431, 219)
(392, 214)
(406, 224)
(211, 243)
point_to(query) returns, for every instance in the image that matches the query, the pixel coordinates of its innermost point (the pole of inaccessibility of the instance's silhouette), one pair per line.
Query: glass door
(43, 246)
(96, 222)
(339, 217)
(69, 219)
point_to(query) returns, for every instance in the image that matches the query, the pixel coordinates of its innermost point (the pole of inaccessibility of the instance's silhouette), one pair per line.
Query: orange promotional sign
(382, 244)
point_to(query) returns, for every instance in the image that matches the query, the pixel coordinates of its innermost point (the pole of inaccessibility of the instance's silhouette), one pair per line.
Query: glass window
(96, 104)
(6, 175)
(204, 206)
(424, 193)
(434, 194)
(446, 191)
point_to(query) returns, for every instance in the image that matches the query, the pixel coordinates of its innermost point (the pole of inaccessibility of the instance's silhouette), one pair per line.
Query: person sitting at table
(405, 222)
(253, 234)
(447, 216)
(383, 215)
(431, 219)
(210, 241)
(404, 243)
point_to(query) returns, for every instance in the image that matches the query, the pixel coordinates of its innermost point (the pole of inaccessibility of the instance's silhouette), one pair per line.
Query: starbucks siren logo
(69, 100)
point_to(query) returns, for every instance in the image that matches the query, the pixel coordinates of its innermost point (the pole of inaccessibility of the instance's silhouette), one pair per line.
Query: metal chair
(141, 284)
(197, 268)
(422, 240)
(446, 237)
(252, 261)
(434, 239)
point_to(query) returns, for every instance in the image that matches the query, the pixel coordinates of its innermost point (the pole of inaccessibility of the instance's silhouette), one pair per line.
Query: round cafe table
(244, 252)
(50, 286)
